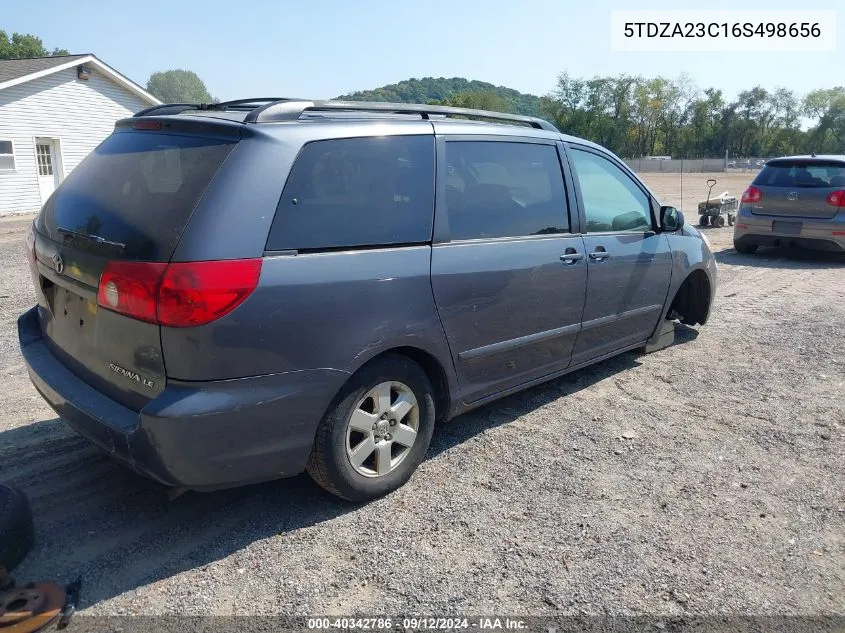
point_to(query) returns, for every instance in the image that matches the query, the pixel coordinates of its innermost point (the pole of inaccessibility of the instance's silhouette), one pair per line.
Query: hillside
(440, 88)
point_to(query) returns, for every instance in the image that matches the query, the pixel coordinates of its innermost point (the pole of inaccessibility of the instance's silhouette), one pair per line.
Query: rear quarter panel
(317, 311)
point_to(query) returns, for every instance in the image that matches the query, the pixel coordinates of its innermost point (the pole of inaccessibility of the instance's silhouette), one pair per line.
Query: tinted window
(498, 189)
(800, 174)
(357, 192)
(612, 202)
(137, 189)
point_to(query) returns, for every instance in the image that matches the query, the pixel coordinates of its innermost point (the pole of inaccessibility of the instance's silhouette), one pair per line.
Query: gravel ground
(707, 478)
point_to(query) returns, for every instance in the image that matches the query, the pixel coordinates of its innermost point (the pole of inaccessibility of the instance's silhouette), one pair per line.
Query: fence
(693, 165)
(676, 165)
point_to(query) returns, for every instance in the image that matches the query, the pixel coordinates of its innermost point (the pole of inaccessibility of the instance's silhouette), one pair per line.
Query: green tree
(476, 100)
(440, 90)
(828, 106)
(20, 45)
(178, 86)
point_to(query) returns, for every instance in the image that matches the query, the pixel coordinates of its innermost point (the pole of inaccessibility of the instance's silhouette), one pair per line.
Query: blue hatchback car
(239, 292)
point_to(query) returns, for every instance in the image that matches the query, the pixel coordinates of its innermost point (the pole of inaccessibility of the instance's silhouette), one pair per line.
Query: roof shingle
(15, 68)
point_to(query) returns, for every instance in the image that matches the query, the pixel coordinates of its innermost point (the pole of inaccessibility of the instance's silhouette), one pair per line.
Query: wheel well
(692, 300)
(436, 375)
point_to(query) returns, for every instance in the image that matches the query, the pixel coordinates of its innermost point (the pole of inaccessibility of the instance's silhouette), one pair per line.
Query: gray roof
(15, 68)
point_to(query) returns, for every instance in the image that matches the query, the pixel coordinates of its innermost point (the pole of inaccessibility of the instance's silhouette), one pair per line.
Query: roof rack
(272, 109)
(291, 110)
(236, 104)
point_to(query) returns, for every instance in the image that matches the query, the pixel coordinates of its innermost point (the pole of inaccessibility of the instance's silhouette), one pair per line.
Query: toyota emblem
(792, 195)
(58, 263)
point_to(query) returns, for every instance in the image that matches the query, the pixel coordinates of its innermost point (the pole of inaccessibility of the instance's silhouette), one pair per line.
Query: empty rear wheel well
(435, 373)
(692, 300)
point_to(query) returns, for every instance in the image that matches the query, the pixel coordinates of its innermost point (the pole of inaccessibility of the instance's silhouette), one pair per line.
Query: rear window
(802, 174)
(357, 192)
(136, 191)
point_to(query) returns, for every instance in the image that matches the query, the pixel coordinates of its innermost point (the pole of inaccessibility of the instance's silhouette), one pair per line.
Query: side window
(500, 189)
(352, 192)
(612, 202)
(7, 156)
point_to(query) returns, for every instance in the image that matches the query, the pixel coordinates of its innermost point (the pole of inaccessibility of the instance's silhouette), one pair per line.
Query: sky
(324, 49)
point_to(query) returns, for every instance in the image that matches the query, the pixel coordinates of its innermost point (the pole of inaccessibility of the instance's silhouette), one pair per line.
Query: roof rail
(291, 110)
(273, 109)
(248, 104)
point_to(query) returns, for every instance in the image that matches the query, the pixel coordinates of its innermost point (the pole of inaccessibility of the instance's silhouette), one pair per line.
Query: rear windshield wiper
(91, 238)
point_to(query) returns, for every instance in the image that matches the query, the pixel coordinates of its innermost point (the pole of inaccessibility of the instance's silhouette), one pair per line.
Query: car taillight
(131, 288)
(836, 198)
(752, 194)
(195, 293)
(183, 294)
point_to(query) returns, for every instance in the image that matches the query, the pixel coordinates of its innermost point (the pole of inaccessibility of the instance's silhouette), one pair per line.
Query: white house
(53, 112)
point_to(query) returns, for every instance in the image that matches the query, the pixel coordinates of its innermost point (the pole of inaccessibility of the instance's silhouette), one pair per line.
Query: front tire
(745, 249)
(377, 432)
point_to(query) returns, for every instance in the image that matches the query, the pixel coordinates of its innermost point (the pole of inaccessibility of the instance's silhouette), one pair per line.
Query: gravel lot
(728, 495)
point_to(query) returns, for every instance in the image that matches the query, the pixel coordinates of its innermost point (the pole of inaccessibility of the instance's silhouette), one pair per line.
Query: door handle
(571, 257)
(599, 256)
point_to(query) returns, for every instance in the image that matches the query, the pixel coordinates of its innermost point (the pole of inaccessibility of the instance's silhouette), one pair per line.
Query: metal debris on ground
(36, 606)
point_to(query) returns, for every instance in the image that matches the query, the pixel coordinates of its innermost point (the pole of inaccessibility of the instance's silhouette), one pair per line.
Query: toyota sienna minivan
(243, 291)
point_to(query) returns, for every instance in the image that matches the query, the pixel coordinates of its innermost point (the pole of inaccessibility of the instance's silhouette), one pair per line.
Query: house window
(7, 156)
(45, 159)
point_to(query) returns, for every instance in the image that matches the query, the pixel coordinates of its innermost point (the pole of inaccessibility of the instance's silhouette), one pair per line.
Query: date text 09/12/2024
(417, 624)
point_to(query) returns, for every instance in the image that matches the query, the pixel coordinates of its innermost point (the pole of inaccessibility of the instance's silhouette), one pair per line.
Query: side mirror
(671, 219)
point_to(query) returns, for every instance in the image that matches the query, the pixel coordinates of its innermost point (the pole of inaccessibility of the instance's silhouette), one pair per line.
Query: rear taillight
(836, 198)
(752, 194)
(200, 292)
(183, 294)
(131, 288)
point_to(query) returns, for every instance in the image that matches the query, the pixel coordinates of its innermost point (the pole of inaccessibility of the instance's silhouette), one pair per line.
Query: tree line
(636, 116)
(640, 116)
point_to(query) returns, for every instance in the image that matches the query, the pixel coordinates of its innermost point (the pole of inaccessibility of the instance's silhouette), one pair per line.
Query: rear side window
(136, 191)
(504, 189)
(346, 193)
(802, 174)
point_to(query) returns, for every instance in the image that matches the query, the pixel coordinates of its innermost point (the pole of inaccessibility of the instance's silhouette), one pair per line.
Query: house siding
(80, 114)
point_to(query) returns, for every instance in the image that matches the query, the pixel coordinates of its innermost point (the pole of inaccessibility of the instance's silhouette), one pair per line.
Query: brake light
(836, 198)
(742, 226)
(752, 194)
(183, 294)
(131, 288)
(196, 293)
(146, 125)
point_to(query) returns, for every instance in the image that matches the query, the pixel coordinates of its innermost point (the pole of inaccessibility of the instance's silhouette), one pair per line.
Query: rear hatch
(125, 205)
(798, 188)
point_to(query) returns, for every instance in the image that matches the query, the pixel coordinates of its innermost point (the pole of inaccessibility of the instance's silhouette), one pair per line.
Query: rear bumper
(815, 234)
(762, 238)
(198, 435)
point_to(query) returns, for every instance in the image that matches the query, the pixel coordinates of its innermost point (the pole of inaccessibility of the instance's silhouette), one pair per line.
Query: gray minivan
(239, 292)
